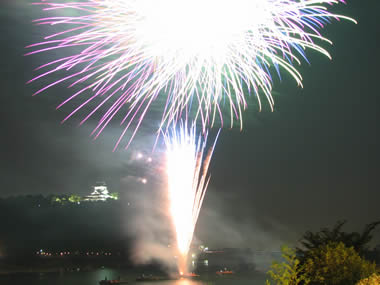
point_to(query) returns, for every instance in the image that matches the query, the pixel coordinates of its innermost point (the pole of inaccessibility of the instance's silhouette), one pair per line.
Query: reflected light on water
(187, 282)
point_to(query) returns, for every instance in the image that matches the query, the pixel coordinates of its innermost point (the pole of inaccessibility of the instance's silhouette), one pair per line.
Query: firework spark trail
(128, 52)
(187, 167)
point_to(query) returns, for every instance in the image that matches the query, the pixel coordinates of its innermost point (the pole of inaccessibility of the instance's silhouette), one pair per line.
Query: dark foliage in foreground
(359, 241)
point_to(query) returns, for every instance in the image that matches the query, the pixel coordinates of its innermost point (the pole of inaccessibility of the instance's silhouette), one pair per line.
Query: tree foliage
(114, 195)
(74, 198)
(336, 264)
(374, 279)
(358, 241)
(288, 272)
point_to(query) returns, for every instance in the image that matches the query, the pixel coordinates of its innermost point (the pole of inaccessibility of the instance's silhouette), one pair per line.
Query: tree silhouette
(359, 241)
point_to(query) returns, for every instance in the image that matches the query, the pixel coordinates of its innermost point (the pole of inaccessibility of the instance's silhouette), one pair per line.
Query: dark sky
(312, 161)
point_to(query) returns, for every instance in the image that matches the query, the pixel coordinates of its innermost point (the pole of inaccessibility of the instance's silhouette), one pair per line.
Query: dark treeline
(360, 241)
(29, 224)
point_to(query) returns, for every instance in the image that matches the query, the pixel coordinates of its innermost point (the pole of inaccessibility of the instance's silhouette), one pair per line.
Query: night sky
(311, 162)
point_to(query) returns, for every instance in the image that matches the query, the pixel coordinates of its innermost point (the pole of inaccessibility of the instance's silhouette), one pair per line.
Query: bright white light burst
(196, 53)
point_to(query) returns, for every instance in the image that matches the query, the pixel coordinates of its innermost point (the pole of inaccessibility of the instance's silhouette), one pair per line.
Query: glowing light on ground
(197, 53)
(187, 166)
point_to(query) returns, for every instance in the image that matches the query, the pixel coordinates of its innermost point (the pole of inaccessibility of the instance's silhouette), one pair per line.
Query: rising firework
(187, 166)
(194, 53)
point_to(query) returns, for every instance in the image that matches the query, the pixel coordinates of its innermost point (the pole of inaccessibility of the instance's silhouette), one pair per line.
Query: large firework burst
(195, 53)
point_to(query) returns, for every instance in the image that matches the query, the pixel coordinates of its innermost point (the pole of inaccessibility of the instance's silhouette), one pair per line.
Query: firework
(187, 166)
(198, 55)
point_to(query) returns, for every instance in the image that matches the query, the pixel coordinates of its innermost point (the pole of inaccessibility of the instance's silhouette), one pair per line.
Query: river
(93, 278)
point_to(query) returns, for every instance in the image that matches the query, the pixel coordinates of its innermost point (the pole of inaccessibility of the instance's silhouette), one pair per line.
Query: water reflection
(106, 273)
(93, 278)
(176, 282)
(187, 282)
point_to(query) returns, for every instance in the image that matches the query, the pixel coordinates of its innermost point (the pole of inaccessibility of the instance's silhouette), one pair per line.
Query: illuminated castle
(100, 193)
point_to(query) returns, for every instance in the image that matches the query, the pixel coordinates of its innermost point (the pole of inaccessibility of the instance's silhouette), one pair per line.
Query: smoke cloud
(150, 224)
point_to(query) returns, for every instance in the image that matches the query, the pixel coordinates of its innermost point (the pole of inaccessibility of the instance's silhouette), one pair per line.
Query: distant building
(100, 193)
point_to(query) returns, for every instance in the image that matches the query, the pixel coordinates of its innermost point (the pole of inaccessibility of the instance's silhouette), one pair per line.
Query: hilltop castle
(100, 193)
